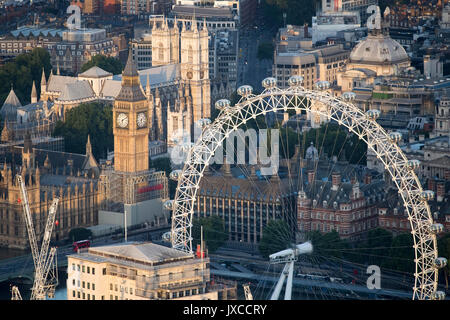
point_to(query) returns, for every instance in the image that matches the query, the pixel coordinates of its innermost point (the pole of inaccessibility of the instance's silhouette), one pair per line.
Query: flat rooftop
(134, 254)
(203, 12)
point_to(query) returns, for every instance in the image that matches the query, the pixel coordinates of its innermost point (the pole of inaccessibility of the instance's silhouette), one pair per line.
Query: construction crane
(247, 292)
(288, 256)
(15, 294)
(45, 273)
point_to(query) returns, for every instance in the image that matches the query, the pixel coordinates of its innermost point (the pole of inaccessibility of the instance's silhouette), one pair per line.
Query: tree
(109, 64)
(297, 12)
(288, 140)
(214, 232)
(276, 237)
(376, 245)
(21, 72)
(78, 234)
(444, 251)
(401, 253)
(337, 141)
(94, 119)
(328, 244)
(265, 51)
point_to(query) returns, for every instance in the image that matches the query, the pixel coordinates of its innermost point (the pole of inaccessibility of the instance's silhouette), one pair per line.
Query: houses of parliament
(148, 105)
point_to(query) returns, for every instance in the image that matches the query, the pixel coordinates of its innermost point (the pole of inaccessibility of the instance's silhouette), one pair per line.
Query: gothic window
(190, 55)
(161, 52)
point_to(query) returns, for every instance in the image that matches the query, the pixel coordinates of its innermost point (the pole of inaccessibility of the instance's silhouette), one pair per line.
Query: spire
(131, 89)
(43, 80)
(175, 24)
(33, 93)
(130, 68)
(57, 69)
(147, 86)
(205, 29)
(7, 134)
(89, 163)
(47, 162)
(88, 146)
(194, 24)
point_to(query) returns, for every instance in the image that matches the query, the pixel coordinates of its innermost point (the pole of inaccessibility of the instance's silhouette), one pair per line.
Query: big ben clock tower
(130, 128)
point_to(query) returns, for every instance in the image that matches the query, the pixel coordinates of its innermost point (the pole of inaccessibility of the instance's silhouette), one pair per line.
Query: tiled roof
(78, 90)
(95, 72)
(111, 88)
(57, 83)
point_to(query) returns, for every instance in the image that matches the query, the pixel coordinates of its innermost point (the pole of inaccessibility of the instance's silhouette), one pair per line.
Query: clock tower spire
(130, 125)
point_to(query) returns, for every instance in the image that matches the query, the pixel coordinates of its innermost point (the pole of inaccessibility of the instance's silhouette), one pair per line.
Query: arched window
(190, 55)
(161, 52)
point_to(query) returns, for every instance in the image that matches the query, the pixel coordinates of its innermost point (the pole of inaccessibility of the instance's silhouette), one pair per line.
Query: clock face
(141, 120)
(189, 74)
(122, 120)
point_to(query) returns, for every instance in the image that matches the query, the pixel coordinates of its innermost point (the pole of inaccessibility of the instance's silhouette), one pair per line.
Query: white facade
(329, 24)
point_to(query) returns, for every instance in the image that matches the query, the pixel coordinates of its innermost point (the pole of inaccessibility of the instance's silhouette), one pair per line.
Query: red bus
(81, 244)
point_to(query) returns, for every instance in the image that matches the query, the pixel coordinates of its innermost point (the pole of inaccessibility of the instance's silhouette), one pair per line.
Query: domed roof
(312, 153)
(378, 49)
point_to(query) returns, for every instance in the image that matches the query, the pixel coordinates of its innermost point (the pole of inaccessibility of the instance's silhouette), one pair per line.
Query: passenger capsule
(427, 195)
(322, 85)
(269, 83)
(437, 228)
(245, 91)
(395, 137)
(168, 204)
(186, 146)
(203, 122)
(438, 295)
(222, 104)
(349, 96)
(175, 175)
(413, 164)
(440, 263)
(166, 236)
(373, 114)
(295, 81)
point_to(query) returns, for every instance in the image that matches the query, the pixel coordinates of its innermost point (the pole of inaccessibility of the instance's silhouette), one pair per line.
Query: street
(251, 70)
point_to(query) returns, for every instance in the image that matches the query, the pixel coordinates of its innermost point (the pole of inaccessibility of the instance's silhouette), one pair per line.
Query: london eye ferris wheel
(296, 98)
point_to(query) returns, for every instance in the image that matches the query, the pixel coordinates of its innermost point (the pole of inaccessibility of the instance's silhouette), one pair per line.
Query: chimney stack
(431, 184)
(336, 180)
(447, 174)
(311, 176)
(367, 179)
(440, 191)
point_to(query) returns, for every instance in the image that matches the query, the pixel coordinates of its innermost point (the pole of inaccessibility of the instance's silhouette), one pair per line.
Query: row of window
(82, 295)
(15, 45)
(84, 285)
(116, 288)
(85, 269)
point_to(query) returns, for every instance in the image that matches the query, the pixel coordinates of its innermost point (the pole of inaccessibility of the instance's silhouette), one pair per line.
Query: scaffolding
(129, 188)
